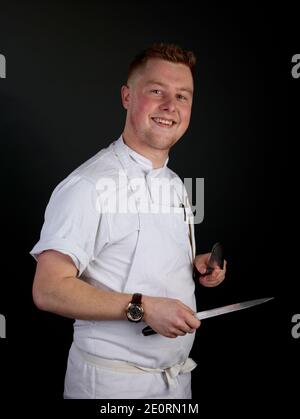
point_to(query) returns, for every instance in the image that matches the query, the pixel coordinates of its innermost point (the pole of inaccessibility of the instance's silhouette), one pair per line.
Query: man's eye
(156, 91)
(181, 97)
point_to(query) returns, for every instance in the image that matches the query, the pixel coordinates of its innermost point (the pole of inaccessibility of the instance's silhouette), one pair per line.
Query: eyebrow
(181, 89)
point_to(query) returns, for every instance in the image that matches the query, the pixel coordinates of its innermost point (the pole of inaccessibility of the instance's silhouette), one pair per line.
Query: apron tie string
(123, 366)
(171, 372)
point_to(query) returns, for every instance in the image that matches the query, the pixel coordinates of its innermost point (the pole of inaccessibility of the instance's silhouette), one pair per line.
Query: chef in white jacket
(116, 250)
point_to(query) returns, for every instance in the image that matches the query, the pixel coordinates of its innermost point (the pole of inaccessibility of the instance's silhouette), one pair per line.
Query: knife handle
(147, 331)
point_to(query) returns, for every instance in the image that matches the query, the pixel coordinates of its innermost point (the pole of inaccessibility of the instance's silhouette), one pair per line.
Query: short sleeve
(71, 222)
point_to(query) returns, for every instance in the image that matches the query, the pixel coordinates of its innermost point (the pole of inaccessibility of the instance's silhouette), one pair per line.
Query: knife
(216, 259)
(218, 311)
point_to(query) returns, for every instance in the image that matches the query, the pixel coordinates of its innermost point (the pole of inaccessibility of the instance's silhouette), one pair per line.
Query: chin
(162, 143)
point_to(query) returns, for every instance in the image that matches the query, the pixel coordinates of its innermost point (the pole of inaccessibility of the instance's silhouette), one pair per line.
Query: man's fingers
(202, 269)
(215, 278)
(213, 283)
(186, 307)
(189, 326)
(191, 329)
(210, 282)
(193, 323)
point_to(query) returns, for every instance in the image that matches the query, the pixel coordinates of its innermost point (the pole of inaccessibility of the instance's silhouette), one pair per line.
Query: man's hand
(169, 317)
(216, 277)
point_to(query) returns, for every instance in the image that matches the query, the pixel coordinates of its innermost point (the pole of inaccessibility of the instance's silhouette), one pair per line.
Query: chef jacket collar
(132, 157)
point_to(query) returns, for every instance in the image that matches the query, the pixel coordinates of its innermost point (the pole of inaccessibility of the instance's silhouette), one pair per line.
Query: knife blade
(206, 314)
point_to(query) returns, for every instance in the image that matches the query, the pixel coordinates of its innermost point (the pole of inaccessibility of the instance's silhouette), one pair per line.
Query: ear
(125, 95)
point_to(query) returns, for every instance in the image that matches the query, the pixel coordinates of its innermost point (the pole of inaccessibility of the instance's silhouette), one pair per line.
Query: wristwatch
(135, 311)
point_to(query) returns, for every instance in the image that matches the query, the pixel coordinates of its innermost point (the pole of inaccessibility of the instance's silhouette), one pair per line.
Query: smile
(162, 122)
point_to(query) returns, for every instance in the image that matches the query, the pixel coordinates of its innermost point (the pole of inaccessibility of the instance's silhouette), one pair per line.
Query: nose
(168, 105)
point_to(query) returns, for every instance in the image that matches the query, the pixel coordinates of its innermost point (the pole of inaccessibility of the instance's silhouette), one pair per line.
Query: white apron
(162, 266)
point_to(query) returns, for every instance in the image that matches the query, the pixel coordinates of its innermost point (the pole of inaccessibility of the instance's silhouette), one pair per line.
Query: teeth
(163, 121)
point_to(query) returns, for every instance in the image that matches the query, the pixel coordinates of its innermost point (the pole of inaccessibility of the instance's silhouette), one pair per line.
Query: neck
(156, 156)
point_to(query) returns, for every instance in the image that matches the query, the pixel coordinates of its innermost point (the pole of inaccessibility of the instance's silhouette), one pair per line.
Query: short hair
(165, 51)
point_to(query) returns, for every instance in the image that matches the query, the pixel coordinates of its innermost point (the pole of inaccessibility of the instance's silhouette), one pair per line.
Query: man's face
(158, 100)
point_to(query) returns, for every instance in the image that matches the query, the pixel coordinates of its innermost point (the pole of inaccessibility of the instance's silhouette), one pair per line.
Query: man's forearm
(56, 288)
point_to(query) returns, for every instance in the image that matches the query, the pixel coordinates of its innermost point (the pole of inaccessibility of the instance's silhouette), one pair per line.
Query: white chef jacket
(104, 246)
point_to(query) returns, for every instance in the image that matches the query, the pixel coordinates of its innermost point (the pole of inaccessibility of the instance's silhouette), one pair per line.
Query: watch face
(135, 312)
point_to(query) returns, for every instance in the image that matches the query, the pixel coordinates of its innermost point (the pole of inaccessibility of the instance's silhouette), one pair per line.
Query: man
(116, 271)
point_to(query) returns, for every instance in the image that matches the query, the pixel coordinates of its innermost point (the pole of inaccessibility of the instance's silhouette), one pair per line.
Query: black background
(60, 104)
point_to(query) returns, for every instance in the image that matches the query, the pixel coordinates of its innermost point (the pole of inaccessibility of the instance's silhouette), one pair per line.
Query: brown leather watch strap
(136, 299)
